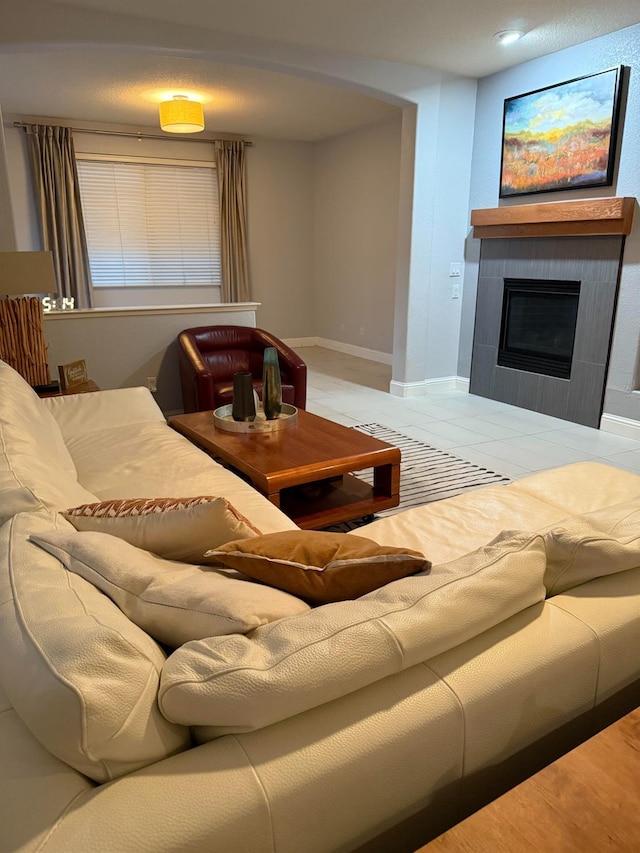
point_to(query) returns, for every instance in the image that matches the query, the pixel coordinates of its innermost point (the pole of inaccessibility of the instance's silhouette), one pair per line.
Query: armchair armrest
(195, 376)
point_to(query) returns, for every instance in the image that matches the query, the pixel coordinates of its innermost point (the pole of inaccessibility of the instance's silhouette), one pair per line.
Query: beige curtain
(55, 178)
(230, 166)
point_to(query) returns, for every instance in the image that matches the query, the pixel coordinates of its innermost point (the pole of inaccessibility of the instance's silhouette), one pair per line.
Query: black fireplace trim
(522, 359)
(536, 364)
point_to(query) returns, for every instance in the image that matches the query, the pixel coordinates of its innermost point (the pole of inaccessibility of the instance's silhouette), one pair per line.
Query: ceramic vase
(243, 407)
(271, 385)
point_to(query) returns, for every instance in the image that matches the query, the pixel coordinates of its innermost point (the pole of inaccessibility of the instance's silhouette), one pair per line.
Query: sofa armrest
(79, 414)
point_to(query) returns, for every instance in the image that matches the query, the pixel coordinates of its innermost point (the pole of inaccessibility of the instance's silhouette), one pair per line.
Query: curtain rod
(132, 134)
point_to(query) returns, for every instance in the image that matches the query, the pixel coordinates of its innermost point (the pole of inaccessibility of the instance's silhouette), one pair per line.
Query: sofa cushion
(610, 607)
(139, 462)
(36, 469)
(83, 414)
(319, 566)
(82, 676)
(448, 529)
(173, 602)
(453, 527)
(181, 529)
(122, 447)
(580, 487)
(233, 684)
(584, 547)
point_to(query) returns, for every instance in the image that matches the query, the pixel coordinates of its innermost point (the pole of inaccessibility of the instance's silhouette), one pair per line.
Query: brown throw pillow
(318, 566)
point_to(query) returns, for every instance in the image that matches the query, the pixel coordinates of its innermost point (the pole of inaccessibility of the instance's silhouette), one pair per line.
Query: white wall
(452, 173)
(7, 226)
(280, 234)
(356, 215)
(435, 172)
(21, 191)
(620, 48)
(123, 348)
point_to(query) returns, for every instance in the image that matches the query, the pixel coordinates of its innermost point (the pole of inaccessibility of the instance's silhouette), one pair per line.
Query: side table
(84, 388)
(587, 800)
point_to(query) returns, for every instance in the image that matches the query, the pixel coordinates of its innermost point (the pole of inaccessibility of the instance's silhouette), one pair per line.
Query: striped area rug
(428, 474)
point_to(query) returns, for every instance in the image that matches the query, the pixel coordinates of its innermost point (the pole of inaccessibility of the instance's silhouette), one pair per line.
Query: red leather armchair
(208, 356)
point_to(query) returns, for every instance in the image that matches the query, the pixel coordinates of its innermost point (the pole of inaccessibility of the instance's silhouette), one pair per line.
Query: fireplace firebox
(538, 326)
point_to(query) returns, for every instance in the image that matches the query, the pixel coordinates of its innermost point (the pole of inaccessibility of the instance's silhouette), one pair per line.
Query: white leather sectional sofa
(358, 725)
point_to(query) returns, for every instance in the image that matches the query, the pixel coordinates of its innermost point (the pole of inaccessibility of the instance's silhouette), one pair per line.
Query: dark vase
(243, 407)
(271, 385)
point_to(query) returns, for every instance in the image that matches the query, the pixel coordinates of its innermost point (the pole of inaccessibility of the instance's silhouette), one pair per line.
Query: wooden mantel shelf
(587, 217)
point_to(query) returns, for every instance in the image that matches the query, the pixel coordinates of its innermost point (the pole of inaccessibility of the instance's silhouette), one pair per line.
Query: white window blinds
(150, 223)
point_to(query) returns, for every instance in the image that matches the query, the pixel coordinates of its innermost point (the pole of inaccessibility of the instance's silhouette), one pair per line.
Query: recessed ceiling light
(508, 36)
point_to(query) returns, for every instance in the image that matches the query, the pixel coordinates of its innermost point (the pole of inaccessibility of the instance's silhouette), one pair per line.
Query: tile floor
(506, 439)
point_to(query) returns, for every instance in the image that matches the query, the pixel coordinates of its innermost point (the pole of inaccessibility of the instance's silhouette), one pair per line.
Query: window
(150, 222)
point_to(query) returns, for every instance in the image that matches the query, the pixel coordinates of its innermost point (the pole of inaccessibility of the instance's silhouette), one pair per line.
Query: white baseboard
(359, 352)
(339, 346)
(620, 426)
(294, 343)
(397, 389)
(419, 389)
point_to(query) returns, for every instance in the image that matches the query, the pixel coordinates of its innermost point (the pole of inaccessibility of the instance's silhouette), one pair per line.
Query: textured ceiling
(452, 35)
(109, 85)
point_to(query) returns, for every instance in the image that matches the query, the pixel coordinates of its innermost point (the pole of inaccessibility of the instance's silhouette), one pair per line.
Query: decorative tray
(223, 420)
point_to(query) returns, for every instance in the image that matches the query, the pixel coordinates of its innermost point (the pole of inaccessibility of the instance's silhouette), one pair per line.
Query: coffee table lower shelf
(332, 501)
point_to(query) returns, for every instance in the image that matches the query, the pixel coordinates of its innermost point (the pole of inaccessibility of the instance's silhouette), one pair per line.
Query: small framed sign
(72, 374)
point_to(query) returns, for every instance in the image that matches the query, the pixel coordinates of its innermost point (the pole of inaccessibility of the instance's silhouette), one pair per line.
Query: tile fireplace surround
(580, 241)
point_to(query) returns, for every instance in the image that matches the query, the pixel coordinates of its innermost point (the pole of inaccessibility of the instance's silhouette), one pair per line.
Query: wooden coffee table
(306, 469)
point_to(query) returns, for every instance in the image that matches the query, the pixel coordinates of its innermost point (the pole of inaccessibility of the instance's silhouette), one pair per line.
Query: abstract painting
(561, 137)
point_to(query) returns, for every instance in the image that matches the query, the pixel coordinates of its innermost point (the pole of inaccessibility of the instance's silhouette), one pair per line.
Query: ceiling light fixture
(180, 115)
(508, 36)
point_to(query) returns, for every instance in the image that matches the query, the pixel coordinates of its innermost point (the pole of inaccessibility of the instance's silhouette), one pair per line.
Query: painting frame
(576, 143)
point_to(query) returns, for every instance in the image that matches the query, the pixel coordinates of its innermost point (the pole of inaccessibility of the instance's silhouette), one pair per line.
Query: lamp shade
(181, 115)
(27, 272)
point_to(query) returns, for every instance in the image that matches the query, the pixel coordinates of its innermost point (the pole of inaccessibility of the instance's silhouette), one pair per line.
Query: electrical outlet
(152, 383)
(361, 330)
(455, 291)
